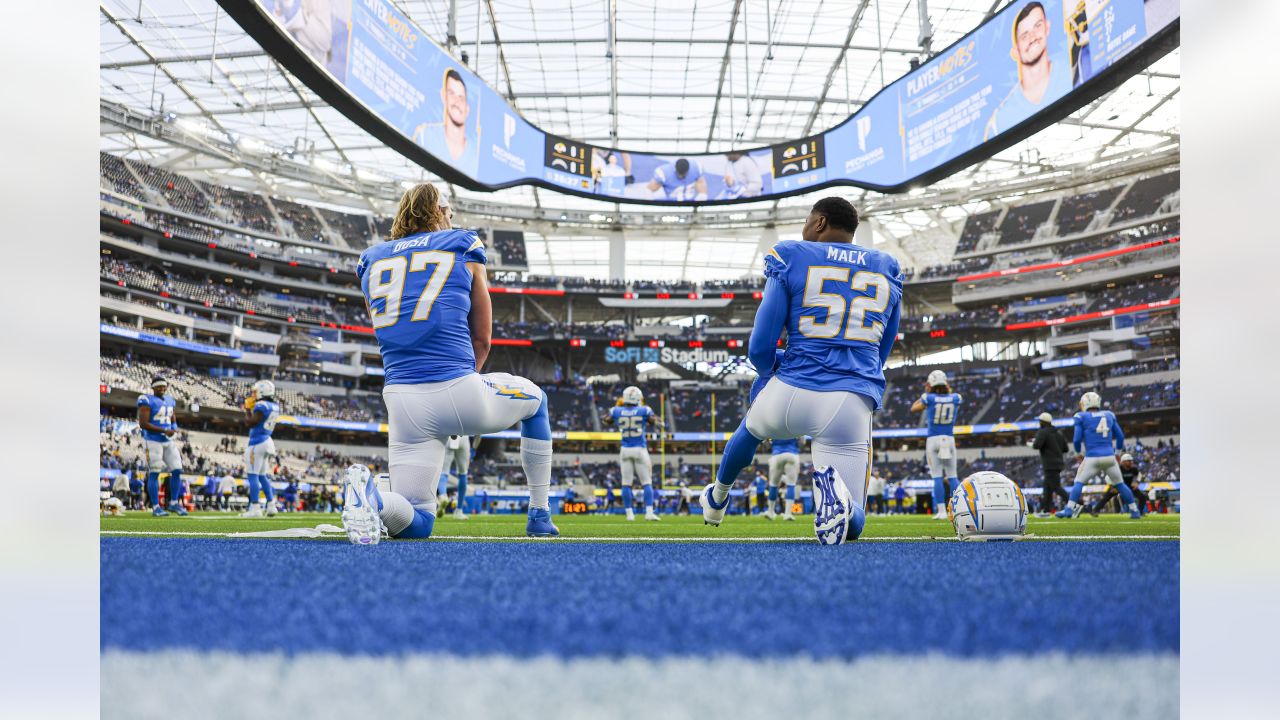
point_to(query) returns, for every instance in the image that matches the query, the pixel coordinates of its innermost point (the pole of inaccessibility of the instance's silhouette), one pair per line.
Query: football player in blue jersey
(940, 407)
(158, 425)
(428, 301)
(261, 412)
(680, 180)
(632, 418)
(840, 305)
(1099, 435)
(784, 468)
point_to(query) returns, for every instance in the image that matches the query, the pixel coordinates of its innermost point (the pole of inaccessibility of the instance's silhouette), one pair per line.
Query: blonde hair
(419, 212)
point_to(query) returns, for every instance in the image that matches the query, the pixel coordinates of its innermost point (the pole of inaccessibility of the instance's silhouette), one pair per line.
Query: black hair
(945, 389)
(682, 166)
(840, 213)
(454, 74)
(159, 380)
(1025, 11)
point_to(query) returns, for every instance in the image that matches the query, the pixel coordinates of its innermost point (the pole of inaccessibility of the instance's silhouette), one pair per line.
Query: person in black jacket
(1053, 449)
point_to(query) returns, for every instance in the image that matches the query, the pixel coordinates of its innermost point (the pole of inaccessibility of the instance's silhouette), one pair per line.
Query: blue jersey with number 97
(418, 290)
(632, 421)
(940, 410)
(843, 307)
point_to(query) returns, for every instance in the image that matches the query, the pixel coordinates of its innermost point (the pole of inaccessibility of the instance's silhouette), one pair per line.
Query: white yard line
(515, 538)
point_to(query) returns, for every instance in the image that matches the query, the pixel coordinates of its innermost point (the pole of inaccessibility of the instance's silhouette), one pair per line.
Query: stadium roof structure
(185, 88)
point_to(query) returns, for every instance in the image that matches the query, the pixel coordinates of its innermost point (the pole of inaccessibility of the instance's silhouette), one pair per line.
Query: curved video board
(1028, 66)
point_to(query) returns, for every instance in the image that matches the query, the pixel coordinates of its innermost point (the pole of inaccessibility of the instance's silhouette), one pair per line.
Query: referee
(1053, 449)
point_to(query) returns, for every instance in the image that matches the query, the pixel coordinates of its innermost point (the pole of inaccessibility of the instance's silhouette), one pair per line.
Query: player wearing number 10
(840, 305)
(940, 406)
(428, 300)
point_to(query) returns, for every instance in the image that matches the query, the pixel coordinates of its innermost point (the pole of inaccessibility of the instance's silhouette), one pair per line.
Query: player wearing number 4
(428, 301)
(940, 406)
(840, 305)
(260, 413)
(1100, 435)
(157, 425)
(632, 417)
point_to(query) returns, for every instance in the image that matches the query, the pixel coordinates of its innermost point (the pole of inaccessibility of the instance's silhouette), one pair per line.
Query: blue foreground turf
(652, 600)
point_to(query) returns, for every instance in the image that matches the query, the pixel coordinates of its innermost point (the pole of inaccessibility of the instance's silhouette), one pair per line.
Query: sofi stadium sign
(1026, 67)
(632, 355)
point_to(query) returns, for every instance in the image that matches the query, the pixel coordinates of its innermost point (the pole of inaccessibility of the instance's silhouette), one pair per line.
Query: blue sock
(443, 489)
(175, 487)
(738, 453)
(1126, 494)
(421, 527)
(773, 494)
(628, 499)
(254, 487)
(267, 490)
(153, 488)
(462, 489)
(939, 494)
(1076, 491)
(648, 498)
(538, 425)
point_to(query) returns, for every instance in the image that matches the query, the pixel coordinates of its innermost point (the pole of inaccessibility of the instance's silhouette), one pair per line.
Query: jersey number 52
(856, 327)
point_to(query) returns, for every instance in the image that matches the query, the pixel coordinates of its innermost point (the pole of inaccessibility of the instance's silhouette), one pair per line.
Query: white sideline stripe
(218, 685)
(660, 539)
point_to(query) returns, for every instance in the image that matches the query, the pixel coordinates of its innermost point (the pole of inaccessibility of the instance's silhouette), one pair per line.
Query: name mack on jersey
(854, 257)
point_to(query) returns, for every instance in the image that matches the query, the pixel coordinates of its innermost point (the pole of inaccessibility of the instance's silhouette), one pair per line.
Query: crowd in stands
(510, 246)
(1145, 196)
(975, 226)
(1077, 211)
(1021, 222)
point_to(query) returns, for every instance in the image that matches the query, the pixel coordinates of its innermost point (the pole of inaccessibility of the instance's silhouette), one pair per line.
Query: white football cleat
(835, 517)
(359, 507)
(769, 514)
(711, 515)
(270, 510)
(788, 515)
(458, 514)
(651, 515)
(631, 514)
(941, 515)
(254, 511)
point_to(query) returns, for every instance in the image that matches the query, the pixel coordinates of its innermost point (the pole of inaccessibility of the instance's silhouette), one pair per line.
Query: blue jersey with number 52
(418, 290)
(940, 410)
(843, 306)
(1099, 433)
(632, 421)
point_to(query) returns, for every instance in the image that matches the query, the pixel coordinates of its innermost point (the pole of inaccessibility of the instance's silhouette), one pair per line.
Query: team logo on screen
(798, 156)
(864, 129)
(508, 129)
(567, 156)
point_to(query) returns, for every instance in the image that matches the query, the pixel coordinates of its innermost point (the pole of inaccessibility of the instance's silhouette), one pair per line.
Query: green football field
(669, 529)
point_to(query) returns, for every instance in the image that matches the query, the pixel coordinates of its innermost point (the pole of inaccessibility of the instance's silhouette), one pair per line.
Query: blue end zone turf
(651, 600)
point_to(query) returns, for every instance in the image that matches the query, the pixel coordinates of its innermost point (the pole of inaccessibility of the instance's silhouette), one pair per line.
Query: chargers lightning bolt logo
(514, 393)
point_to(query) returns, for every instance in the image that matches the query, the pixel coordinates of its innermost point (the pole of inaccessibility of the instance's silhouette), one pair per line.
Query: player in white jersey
(428, 300)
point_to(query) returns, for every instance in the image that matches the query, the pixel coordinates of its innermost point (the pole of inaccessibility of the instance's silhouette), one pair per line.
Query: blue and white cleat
(1135, 515)
(836, 518)
(540, 524)
(158, 511)
(178, 510)
(711, 514)
(1066, 514)
(360, 507)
